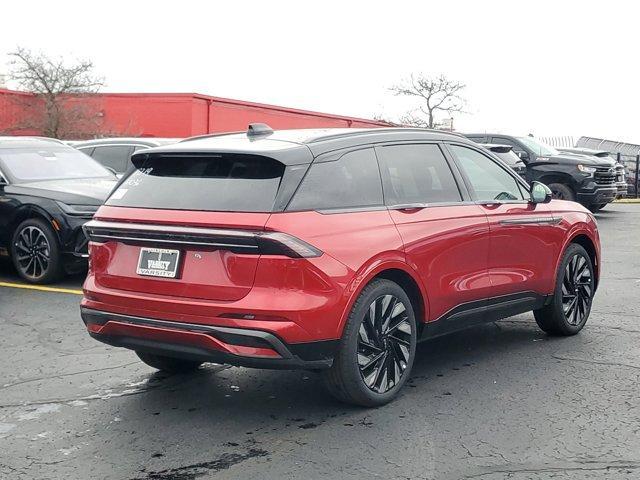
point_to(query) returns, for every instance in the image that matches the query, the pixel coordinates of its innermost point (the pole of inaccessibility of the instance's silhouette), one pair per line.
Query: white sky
(550, 67)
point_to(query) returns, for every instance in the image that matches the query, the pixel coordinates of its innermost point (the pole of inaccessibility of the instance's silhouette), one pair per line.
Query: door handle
(409, 206)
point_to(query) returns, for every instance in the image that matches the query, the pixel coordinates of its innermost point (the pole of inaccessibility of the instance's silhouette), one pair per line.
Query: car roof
(29, 142)
(283, 144)
(147, 141)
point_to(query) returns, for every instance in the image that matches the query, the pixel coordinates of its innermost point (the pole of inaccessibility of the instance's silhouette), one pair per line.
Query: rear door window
(416, 174)
(488, 179)
(113, 156)
(211, 182)
(87, 151)
(352, 181)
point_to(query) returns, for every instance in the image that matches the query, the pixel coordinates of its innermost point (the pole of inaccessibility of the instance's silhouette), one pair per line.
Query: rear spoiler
(498, 148)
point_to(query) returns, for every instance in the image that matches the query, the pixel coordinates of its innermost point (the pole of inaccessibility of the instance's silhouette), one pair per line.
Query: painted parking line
(41, 288)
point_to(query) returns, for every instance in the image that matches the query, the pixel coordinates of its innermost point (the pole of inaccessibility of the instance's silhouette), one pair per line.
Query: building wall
(177, 115)
(15, 110)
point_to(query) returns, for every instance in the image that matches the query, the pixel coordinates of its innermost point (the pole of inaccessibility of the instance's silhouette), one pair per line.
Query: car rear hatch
(190, 225)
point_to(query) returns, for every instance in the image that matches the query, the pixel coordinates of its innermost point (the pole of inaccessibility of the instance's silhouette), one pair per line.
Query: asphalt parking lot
(498, 401)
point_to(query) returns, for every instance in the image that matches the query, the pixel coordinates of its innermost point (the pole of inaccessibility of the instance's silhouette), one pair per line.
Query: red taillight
(238, 241)
(278, 243)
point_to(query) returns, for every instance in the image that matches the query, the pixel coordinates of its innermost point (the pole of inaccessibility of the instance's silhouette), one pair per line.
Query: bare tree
(435, 94)
(64, 104)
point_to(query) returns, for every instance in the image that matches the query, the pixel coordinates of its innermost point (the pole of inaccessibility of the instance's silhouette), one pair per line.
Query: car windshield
(50, 163)
(538, 147)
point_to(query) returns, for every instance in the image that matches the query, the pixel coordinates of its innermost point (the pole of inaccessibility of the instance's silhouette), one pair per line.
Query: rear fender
(373, 268)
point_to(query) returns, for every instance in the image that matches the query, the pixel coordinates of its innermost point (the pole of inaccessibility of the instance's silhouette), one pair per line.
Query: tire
(596, 207)
(168, 364)
(575, 284)
(35, 252)
(392, 339)
(561, 191)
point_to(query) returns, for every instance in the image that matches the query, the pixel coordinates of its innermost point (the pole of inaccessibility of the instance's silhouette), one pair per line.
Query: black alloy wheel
(570, 305)
(577, 290)
(35, 252)
(377, 347)
(384, 341)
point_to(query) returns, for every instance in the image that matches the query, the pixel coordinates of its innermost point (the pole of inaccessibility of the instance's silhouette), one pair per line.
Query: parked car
(507, 155)
(588, 180)
(621, 173)
(333, 250)
(115, 153)
(48, 190)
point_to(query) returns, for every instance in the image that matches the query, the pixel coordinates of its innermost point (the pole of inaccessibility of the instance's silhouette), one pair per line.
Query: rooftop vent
(259, 129)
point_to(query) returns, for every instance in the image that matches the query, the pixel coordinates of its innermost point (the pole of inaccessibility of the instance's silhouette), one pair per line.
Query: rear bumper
(207, 343)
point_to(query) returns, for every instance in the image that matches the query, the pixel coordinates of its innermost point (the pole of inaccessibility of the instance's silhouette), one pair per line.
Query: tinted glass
(87, 151)
(352, 181)
(212, 182)
(509, 158)
(507, 141)
(488, 179)
(50, 163)
(416, 174)
(113, 156)
(538, 147)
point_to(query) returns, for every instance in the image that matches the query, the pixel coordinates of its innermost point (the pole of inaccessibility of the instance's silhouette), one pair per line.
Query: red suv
(328, 250)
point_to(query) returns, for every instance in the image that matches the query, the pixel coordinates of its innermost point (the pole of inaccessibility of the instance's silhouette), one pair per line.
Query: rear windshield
(212, 182)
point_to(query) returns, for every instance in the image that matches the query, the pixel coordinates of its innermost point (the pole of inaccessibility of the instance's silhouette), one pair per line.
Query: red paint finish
(522, 255)
(449, 248)
(455, 254)
(165, 115)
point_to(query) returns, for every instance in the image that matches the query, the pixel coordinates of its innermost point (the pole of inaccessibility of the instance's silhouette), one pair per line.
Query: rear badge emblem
(198, 256)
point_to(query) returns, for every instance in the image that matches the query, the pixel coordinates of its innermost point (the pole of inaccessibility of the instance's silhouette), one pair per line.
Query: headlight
(78, 210)
(588, 170)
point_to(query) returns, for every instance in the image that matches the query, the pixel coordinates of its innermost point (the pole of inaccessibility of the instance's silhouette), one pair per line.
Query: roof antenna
(258, 130)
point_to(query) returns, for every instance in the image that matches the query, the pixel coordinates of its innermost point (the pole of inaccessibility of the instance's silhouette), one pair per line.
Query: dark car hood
(78, 191)
(577, 158)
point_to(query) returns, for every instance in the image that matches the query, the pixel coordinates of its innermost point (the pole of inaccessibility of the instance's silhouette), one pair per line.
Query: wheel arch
(585, 242)
(556, 177)
(398, 272)
(25, 212)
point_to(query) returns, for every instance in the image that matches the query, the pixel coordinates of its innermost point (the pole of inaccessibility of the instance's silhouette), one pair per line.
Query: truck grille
(605, 175)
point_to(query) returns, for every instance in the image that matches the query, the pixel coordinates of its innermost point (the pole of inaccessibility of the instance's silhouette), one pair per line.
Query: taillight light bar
(238, 241)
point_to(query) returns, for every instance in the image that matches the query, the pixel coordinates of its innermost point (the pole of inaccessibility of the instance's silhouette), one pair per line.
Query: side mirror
(540, 193)
(524, 156)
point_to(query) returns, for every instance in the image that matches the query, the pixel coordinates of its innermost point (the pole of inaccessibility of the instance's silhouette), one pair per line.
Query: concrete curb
(627, 200)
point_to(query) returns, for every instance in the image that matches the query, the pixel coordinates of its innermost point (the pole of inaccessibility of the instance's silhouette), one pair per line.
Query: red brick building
(170, 114)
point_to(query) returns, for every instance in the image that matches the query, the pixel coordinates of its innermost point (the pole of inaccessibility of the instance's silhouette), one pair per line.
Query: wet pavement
(499, 401)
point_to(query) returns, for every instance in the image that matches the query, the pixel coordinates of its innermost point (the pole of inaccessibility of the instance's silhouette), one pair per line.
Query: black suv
(586, 179)
(115, 153)
(48, 191)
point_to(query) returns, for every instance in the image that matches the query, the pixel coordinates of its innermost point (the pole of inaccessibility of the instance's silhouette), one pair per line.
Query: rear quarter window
(209, 182)
(352, 181)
